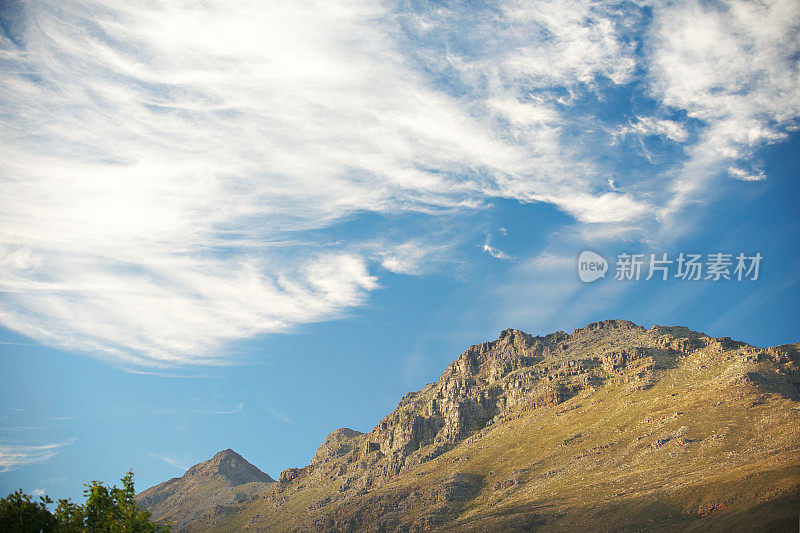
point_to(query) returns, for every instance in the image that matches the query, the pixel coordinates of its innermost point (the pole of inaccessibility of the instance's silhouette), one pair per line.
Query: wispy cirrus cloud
(279, 416)
(643, 125)
(237, 409)
(414, 257)
(173, 462)
(198, 410)
(733, 66)
(13, 456)
(165, 166)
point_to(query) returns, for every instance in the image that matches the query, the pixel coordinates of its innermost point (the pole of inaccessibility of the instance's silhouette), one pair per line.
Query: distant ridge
(224, 479)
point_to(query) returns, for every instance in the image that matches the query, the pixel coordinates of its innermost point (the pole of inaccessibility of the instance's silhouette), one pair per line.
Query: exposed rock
(492, 379)
(288, 475)
(677, 435)
(337, 444)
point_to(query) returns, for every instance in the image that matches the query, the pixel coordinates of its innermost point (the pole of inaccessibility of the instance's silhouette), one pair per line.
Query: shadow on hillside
(700, 509)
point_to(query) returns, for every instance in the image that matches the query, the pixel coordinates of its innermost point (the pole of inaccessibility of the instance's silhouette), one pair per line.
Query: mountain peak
(218, 483)
(230, 465)
(227, 454)
(608, 326)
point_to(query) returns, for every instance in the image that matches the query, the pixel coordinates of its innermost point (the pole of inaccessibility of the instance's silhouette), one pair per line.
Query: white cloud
(237, 409)
(523, 65)
(179, 310)
(155, 177)
(745, 175)
(14, 456)
(496, 252)
(579, 42)
(162, 162)
(672, 130)
(732, 60)
(415, 256)
(732, 65)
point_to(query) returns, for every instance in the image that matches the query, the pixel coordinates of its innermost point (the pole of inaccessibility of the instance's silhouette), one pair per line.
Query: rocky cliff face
(491, 380)
(212, 485)
(354, 477)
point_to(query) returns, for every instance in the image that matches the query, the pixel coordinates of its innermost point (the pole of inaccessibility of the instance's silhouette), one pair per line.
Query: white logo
(591, 266)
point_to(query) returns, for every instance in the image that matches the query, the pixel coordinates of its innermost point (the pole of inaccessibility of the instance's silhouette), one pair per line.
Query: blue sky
(231, 226)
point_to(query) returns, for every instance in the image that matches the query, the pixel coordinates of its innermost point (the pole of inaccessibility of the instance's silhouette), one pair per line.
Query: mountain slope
(210, 486)
(613, 426)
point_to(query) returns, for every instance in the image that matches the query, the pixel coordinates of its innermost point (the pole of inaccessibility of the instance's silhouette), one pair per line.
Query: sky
(245, 224)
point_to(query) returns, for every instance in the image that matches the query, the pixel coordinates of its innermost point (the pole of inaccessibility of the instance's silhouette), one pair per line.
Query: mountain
(210, 486)
(612, 427)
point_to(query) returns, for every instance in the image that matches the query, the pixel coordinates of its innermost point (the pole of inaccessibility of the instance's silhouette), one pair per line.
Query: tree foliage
(107, 510)
(19, 513)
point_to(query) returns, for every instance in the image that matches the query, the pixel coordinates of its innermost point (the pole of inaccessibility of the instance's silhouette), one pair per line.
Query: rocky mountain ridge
(479, 395)
(490, 380)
